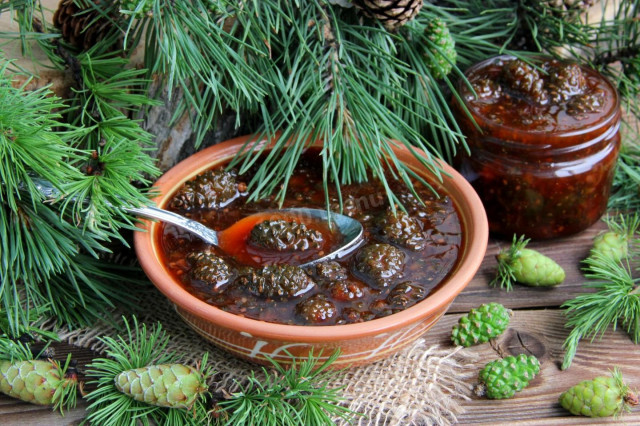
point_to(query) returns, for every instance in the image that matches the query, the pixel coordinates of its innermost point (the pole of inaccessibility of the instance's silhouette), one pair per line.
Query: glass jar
(543, 147)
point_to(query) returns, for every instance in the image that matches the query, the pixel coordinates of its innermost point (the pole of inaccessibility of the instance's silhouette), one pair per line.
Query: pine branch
(30, 17)
(42, 248)
(209, 59)
(626, 181)
(298, 395)
(613, 48)
(340, 82)
(616, 301)
(139, 347)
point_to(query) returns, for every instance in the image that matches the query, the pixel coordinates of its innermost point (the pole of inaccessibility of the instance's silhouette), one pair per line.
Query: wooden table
(537, 327)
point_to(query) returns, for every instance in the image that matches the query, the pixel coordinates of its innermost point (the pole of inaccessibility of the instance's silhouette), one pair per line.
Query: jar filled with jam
(543, 139)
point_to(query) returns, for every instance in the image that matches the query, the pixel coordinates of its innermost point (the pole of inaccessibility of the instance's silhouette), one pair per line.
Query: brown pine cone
(381, 263)
(391, 13)
(84, 27)
(209, 268)
(403, 230)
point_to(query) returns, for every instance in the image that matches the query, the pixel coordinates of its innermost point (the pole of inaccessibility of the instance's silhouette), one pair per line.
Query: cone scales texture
(504, 377)
(535, 269)
(164, 385)
(600, 397)
(441, 60)
(82, 28)
(34, 381)
(564, 5)
(481, 324)
(612, 245)
(391, 13)
(280, 235)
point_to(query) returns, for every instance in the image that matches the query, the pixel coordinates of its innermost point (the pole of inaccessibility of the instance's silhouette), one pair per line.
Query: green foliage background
(310, 69)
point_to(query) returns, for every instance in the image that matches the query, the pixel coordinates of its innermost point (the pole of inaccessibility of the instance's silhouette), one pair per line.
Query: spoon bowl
(349, 230)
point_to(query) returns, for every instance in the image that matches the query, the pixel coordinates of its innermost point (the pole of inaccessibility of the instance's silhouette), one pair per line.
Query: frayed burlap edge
(420, 385)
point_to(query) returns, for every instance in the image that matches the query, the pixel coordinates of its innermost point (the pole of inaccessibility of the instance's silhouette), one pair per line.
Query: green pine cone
(38, 382)
(504, 377)
(442, 53)
(600, 397)
(611, 245)
(535, 269)
(163, 385)
(481, 324)
(526, 266)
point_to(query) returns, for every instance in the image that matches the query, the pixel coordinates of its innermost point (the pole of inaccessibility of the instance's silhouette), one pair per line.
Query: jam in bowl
(255, 299)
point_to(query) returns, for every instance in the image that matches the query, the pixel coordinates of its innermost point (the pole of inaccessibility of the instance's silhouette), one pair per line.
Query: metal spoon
(350, 229)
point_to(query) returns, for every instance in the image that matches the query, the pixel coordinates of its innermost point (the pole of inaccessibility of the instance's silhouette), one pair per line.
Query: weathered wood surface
(537, 327)
(541, 333)
(567, 252)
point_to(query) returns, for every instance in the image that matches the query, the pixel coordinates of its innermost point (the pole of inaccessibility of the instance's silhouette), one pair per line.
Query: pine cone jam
(543, 152)
(256, 271)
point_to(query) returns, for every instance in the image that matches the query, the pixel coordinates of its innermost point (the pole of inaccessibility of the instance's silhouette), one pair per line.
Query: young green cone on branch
(442, 55)
(620, 238)
(141, 381)
(600, 397)
(40, 382)
(526, 266)
(164, 385)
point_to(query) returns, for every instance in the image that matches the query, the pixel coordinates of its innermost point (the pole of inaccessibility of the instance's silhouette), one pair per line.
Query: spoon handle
(208, 235)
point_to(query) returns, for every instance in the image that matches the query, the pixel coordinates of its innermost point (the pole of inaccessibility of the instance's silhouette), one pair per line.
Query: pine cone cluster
(84, 27)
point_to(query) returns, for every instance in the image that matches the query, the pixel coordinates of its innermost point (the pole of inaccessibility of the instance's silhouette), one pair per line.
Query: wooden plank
(567, 252)
(542, 332)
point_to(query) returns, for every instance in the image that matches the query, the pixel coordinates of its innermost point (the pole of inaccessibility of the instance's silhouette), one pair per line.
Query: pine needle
(616, 301)
(139, 347)
(299, 395)
(505, 275)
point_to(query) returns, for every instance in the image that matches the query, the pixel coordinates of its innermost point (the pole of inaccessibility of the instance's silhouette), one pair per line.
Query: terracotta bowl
(360, 343)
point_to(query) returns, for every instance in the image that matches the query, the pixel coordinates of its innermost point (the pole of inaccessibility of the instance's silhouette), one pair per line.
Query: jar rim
(607, 118)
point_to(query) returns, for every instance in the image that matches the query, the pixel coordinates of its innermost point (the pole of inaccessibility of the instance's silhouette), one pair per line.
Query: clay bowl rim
(474, 222)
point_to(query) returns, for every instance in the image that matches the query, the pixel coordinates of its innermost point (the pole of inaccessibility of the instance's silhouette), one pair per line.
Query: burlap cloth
(421, 385)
